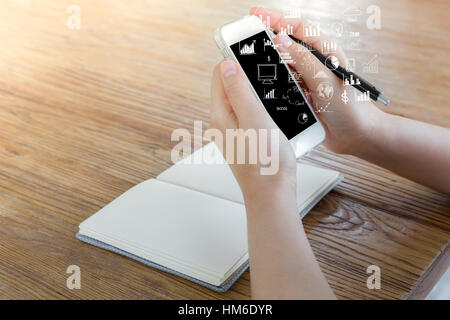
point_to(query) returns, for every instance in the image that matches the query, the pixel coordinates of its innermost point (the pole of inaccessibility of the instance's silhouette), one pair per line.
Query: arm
(413, 149)
(282, 262)
(283, 265)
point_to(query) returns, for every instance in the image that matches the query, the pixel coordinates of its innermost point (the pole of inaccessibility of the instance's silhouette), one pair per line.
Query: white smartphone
(248, 42)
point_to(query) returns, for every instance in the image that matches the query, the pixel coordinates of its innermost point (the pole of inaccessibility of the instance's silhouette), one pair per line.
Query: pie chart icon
(302, 118)
(334, 62)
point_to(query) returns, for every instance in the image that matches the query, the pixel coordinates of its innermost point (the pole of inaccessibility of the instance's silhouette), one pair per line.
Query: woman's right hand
(347, 124)
(412, 149)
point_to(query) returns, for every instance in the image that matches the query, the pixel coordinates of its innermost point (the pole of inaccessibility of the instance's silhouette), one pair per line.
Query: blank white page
(201, 172)
(194, 228)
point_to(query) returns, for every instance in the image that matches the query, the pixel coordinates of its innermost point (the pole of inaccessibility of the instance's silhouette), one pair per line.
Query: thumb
(246, 106)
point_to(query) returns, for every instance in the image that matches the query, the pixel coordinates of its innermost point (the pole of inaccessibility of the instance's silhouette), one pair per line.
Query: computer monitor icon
(267, 73)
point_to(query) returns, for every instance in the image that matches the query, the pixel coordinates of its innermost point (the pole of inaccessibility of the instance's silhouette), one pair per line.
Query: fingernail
(228, 68)
(285, 41)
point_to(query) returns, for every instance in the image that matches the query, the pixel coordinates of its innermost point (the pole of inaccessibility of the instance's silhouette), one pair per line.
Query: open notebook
(190, 220)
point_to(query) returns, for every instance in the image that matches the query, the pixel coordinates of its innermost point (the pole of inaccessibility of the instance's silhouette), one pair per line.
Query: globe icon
(325, 91)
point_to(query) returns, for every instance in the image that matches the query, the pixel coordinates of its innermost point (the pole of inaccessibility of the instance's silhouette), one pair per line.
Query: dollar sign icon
(344, 97)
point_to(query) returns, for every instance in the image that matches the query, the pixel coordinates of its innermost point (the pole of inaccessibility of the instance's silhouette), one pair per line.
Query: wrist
(372, 132)
(268, 191)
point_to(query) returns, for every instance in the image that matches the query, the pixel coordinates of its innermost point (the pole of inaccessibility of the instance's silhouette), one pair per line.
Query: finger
(249, 111)
(222, 114)
(301, 30)
(324, 87)
(302, 84)
(311, 70)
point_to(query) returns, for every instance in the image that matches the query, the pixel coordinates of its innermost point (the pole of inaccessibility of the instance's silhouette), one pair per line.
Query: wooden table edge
(431, 276)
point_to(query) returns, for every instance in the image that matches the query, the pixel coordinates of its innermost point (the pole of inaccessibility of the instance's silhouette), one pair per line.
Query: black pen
(346, 76)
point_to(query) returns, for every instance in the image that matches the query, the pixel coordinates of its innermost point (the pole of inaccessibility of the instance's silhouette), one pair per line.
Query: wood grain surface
(86, 114)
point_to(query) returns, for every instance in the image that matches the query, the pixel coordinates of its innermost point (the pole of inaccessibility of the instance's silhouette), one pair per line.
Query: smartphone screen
(273, 83)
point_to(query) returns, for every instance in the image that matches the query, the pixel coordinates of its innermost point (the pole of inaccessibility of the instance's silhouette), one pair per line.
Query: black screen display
(274, 84)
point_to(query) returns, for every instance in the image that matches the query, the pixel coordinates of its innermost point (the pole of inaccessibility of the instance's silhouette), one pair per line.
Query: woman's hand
(413, 149)
(348, 124)
(234, 106)
(278, 246)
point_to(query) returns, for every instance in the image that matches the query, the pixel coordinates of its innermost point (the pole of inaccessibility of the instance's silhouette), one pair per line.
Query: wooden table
(86, 114)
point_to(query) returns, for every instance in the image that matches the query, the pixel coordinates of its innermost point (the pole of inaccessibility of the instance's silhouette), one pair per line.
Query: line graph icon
(268, 43)
(371, 66)
(324, 108)
(247, 49)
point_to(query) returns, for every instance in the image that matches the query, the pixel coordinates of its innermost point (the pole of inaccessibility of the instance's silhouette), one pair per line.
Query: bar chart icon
(266, 22)
(351, 81)
(365, 96)
(311, 31)
(270, 94)
(329, 46)
(293, 13)
(288, 30)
